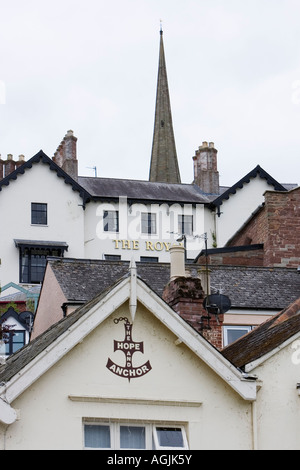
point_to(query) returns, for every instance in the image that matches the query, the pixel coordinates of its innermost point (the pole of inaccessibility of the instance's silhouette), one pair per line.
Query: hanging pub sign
(129, 347)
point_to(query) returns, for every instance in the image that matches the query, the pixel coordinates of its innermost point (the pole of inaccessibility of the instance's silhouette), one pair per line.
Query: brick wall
(277, 226)
(282, 247)
(66, 155)
(10, 165)
(20, 304)
(185, 295)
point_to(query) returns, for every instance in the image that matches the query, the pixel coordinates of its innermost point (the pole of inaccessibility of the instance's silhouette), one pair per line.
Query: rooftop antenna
(93, 168)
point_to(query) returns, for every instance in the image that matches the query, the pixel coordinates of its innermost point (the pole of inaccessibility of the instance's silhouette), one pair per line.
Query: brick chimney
(10, 165)
(206, 174)
(185, 295)
(66, 155)
(20, 161)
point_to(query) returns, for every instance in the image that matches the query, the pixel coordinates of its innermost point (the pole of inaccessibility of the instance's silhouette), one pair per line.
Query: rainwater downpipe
(254, 425)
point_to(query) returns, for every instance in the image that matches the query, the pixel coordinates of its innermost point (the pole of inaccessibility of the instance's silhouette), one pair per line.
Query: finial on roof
(133, 295)
(161, 30)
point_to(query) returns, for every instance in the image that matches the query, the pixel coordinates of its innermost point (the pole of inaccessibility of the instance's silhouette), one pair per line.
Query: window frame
(151, 436)
(7, 348)
(161, 447)
(183, 223)
(35, 211)
(147, 219)
(110, 224)
(149, 259)
(109, 257)
(27, 255)
(226, 328)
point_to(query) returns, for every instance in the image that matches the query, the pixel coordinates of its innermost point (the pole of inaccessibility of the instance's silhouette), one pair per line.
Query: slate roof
(138, 190)
(247, 287)
(23, 356)
(112, 188)
(265, 337)
(95, 276)
(142, 191)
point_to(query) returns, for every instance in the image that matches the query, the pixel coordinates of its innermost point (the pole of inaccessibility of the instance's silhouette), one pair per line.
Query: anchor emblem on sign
(129, 347)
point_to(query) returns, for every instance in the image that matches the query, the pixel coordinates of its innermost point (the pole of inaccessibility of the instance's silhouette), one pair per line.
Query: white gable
(99, 310)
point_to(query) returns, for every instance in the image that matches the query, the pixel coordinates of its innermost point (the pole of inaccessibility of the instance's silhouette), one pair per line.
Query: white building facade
(46, 212)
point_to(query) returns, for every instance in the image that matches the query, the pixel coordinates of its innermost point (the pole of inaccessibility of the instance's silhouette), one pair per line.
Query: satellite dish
(217, 304)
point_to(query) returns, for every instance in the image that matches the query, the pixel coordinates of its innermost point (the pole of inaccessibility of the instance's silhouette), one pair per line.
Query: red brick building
(270, 237)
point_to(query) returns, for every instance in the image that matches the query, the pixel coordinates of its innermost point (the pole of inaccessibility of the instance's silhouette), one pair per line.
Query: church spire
(164, 164)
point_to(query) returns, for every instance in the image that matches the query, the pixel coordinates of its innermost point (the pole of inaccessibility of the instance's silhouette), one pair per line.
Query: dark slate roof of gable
(257, 171)
(247, 287)
(265, 337)
(143, 191)
(27, 353)
(82, 279)
(41, 157)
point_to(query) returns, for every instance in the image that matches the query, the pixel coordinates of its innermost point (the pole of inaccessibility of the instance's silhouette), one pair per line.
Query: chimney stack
(206, 174)
(10, 165)
(20, 161)
(1, 168)
(186, 295)
(66, 155)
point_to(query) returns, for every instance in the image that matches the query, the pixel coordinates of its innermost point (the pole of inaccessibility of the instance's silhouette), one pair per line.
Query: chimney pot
(177, 253)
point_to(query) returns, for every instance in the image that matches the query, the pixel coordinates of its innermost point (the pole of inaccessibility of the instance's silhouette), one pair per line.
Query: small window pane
(185, 224)
(132, 437)
(97, 436)
(148, 222)
(111, 221)
(170, 437)
(33, 263)
(149, 259)
(112, 257)
(18, 340)
(38, 213)
(38, 265)
(233, 333)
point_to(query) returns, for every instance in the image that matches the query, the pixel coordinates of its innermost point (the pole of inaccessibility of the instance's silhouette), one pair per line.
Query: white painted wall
(213, 414)
(278, 400)
(130, 242)
(65, 216)
(83, 230)
(239, 207)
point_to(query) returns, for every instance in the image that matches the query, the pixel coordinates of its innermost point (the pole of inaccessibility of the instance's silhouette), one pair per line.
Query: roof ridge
(258, 170)
(42, 157)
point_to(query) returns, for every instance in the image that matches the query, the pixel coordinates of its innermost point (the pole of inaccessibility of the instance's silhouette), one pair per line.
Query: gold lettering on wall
(135, 245)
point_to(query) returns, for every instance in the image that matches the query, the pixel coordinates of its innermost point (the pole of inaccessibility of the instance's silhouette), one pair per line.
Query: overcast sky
(91, 66)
